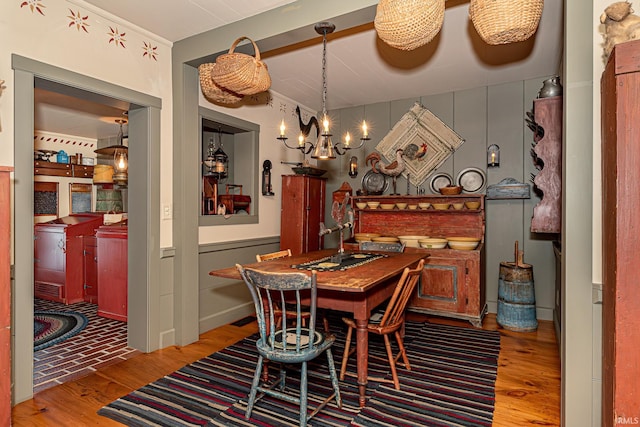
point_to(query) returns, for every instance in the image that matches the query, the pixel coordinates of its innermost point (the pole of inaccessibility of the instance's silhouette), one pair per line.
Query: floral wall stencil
(34, 5)
(150, 51)
(78, 20)
(117, 37)
(426, 141)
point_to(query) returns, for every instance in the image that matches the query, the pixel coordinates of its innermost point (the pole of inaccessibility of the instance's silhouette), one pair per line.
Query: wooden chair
(273, 255)
(392, 322)
(381, 246)
(287, 344)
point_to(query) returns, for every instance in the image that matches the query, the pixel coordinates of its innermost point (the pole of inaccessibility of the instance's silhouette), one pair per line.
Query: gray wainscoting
(222, 301)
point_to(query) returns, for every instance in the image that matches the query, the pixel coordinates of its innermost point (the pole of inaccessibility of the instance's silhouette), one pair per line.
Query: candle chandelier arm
(341, 148)
(305, 148)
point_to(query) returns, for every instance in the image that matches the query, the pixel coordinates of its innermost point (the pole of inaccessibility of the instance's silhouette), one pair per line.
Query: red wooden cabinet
(452, 282)
(59, 257)
(302, 211)
(5, 296)
(90, 270)
(112, 271)
(620, 88)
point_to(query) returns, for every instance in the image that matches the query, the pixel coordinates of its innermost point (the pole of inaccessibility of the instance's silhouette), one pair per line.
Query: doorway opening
(143, 215)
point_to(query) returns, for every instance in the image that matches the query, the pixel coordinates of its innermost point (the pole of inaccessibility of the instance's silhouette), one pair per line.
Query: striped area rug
(451, 384)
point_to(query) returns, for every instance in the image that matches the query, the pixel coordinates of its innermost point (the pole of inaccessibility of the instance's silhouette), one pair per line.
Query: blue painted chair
(284, 343)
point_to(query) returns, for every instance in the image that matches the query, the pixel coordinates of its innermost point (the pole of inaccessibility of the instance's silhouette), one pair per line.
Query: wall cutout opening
(228, 169)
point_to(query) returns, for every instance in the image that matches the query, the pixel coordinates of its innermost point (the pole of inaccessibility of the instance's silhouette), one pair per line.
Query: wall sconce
(493, 156)
(353, 167)
(266, 179)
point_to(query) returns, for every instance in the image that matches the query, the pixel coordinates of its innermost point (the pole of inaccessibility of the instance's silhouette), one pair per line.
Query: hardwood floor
(527, 388)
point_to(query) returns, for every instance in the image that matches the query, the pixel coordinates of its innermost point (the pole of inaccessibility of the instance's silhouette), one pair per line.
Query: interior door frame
(144, 212)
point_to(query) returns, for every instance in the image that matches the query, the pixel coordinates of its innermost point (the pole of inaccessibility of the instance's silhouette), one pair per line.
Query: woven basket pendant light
(408, 24)
(505, 21)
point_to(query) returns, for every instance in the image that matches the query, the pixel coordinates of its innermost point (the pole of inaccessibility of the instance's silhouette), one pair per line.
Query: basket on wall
(211, 91)
(505, 21)
(241, 73)
(408, 24)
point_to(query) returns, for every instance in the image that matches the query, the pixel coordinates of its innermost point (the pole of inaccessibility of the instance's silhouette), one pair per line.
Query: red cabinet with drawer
(59, 257)
(112, 271)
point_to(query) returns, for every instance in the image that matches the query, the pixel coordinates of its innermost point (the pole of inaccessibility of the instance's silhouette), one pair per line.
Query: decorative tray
(308, 170)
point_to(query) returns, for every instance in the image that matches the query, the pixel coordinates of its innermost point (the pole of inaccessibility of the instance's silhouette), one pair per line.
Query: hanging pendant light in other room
(120, 155)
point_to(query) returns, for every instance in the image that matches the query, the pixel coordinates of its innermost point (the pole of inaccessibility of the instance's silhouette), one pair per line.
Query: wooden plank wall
(482, 116)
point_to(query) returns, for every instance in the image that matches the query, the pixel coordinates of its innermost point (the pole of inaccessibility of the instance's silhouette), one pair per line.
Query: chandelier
(324, 148)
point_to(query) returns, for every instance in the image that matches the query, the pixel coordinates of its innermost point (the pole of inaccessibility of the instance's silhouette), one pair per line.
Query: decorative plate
(440, 180)
(374, 183)
(472, 180)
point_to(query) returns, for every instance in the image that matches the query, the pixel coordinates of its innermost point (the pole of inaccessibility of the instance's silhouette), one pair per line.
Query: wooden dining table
(357, 290)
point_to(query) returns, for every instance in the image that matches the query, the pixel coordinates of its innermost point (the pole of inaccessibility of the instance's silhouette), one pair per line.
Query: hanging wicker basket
(211, 91)
(408, 24)
(505, 21)
(241, 73)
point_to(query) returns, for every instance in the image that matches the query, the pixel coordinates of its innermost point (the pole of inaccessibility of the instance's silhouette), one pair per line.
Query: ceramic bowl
(457, 206)
(424, 205)
(449, 190)
(373, 205)
(401, 205)
(387, 206)
(433, 243)
(361, 205)
(441, 206)
(411, 241)
(413, 207)
(463, 243)
(385, 239)
(472, 205)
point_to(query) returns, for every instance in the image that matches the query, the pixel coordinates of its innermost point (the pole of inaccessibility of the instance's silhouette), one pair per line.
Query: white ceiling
(361, 69)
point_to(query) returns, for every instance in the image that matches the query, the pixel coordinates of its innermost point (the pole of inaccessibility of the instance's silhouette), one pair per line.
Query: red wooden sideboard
(112, 254)
(453, 281)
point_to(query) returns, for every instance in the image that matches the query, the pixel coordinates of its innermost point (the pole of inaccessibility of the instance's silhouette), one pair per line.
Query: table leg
(362, 352)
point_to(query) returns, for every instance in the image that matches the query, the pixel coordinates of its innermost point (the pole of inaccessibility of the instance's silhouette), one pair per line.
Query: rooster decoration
(393, 169)
(305, 129)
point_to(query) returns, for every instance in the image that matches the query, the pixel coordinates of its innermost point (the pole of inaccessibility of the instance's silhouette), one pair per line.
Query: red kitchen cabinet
(59, 257)
(90, 269)
(112, 267)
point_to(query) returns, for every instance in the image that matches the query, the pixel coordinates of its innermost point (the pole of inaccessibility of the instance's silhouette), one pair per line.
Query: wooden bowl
(412, 241)
(401, 205)
(441, 206)
(450, 190)
(457, 206)
(424, 205)
(463, 243)
(387, 206)
(472, 205)
(385, 239)
(361, 205)
(373, 205)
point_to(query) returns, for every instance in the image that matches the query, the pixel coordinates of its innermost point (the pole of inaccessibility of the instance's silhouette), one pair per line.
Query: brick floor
(101, 343)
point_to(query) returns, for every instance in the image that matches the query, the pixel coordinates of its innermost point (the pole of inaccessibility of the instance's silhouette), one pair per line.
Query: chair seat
(290, 340)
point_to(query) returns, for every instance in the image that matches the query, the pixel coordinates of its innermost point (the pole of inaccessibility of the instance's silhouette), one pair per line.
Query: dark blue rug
(53, 327)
